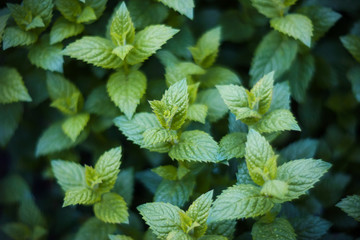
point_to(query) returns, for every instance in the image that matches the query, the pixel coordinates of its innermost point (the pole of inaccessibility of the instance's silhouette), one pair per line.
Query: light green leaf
(206, 49)
(154, 136)
(175, 192)
(119, 237)
(281, 97)
(122, 29)
(94, 229)
(279, 229)
(354, 76)
(46, 56)
(233, 145)
(97, 5)
(300, 74)
(200, 208)
(172, 109)
(94, 50)
(224, 228)
(69, 175)
(10, 116)
(275, 190)
(145, 13)
(197, 112)
(301, 175)
(185, 7)
(234, 96)
(111, 209)
(30, 214)
(42, 9)
(178, 234)
(82, 195)
(350, 42)
(63, 29)
(322, 18)
(126, 90)
(277, 120)
(219, 76)
(351, 205)
(258, 155)
(3, 21)
(148, 41)
(274, 53)
(294, 25)
(161, 217)
(133, 129)
(195, 146)
(240, 201)
(216, 106)
(12, 88)
(87, 15)
(310, 227)
(263, 92)
(70, 9)
(16, 230)
(168, 172)
(58, 86)
(122, 51)
(178, 71)
(73, 125)
(37, 22)
(270, 8)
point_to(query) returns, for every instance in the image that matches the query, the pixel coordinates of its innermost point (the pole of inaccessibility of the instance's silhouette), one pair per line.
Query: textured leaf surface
(200, 208)
(216, 106)
(179, 71)
(94, 50)
(310, 227)
(242, 175)
(195, 146)
(281, 97)
(274, 53)
(219, 76)
(122, 29)
(185, 7)
(145, 13)
(168, 172)
(119, 237)
(304, 148)
(10, 116)
(263, 92)
(15, 36)
(294, 25)
(197, 112)
(82, 195)
(350, 42)
(94, 229)
(240, 201)
(159, 135)
(234, 96)
(12, 88)
(277, 120)
(161, 217)
(233, 145)
(351, 205)
(69, 175)
(224, 228)
(269, 8)
(301, 175)
(63, 29)
(279, 229)
(111, 209)
(3, 20)
(175, 192)
(75, 124)
(148, 41)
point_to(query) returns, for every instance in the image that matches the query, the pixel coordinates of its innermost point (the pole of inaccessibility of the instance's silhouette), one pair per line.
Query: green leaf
(240, 201)
(234, 96)
(310, 227)
(301, 175)
(148, 41)
(15, 36)
(232, 145)
(197, 112)
(3, 20)
(279, 229)
(13, 189)
(219, 76)
(354, 76)
(20, 14)
(42, 9)
(94, 229)
(94, 50)
(175, 192)
(73, 125)
(126, 90)
(200, 208)
(122, 51)
(119, 237)
(195, 146)
(224, 228)
(275, 190)
(350, 42)
(124, 185)
(216, 106)
(37, 22)
(97, 5)
(122, 29)
(63, 29)
(178, 71)
(172, 109)
(242, 175)
(274, 53)
(159, 135)
(82, 195)
(111, 209)
(53, 139)
(322, 18)
(145, 13)
(212, 237)
(70, 9)
(12, 88)
(281, 97)
(269, 8)
(304, 148)
(206, 49)
(99, 102)
(294, 25)
(161, 217)
(46, 56)
(351, 205)
(133, 129)
(168, 172)
(300, 75)
(30, 214)
(263, 92)
(185, 7)
(16, 230)
(277, 120)
(69, 175)
(87, 15)
(258, 155)
(10, 116)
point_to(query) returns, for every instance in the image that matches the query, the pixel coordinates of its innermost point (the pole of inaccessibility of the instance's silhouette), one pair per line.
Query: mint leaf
(351, 205)
(119, 237)
(180, 70)
(16, 230)
(94, 229)
(281, 97)
(242, 175)
(234, 96)
(99, 103)
(185, 7)
(304, 148)
(240, 201)
(3, 20)
(178, 234)
(224, 228)
(274, 53)
(13, 189)
(294, 25)
(10, 116)
(122, 29)
(232, 145)
(82, 195)
(354, 76)
(269, 8)
(277, 120)
(111, 209)
(301, 175)
(30, 214)
(46, 56)
(195, 146)
(63, 29)
(87, 15)
(70, 9)
(69, 175)
(94, 50)
(42, 9)
(216, 106)
(145, 13)
(310, 227)
(219, 76)
(148, 41)
(263, 92)
(197, 112)
(37, 22)
(126, 90)
(20, 14)
(122, 51)
(200, 208)
(161, 217)
(154, 136)
(350, 42)
(168, 172)
(124, 185)
(12, 88)
(73, 125)
(175, 192)
(280, 228)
